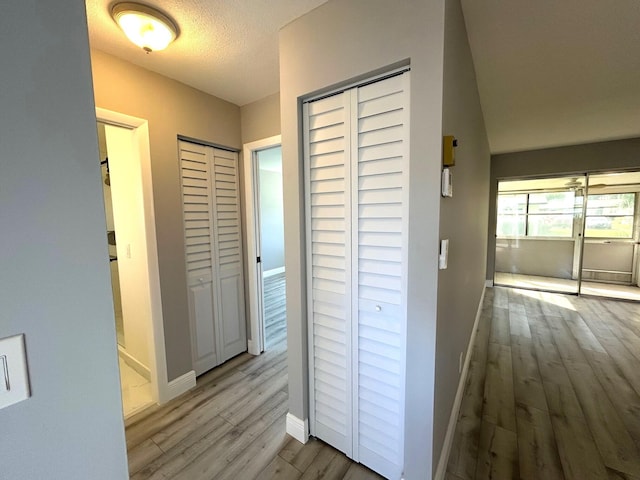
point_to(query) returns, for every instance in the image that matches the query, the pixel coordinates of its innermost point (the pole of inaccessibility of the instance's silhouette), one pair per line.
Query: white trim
(254, 269)
(453, 419)
(272, 272)
(488, 283)
(298, 429)
(252, 347)
(158, 362)
(134, 363)
(182, 384)
(306, 160)
(358, 83)
(352, 290)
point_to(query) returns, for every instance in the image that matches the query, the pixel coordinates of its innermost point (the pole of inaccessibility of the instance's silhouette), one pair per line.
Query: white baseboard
(252, 347)
(298, 429)
(488, 283)
(453, 419)
(178, 386)
(273, 271)
(134, 363)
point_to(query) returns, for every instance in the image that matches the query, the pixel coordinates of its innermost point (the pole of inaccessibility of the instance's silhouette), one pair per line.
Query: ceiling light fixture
(145, 26)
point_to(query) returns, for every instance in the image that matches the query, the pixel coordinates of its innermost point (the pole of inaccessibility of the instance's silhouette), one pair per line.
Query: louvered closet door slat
(380, 242)
(327, 141)
(228, 255)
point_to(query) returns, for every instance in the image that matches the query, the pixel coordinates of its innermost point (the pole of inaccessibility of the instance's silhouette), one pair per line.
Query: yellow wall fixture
(145, 26)
(449, 142)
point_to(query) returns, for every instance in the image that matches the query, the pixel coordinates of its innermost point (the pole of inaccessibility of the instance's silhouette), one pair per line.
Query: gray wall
(547, 258)
(608, 256)
(172, 108)
(271, 220)
(591, 157)
(344, 40)
(260, 119)
(54, 268)
(463, 218)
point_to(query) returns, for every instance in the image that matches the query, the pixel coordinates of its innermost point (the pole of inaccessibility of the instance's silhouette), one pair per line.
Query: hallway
(553, 390)
(232, 426)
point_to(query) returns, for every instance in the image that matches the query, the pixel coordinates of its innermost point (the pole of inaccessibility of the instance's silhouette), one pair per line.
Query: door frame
(161, 391)
(255, 344)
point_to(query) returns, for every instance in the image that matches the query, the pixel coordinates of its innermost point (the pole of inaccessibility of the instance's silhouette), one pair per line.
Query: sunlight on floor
(609, 290)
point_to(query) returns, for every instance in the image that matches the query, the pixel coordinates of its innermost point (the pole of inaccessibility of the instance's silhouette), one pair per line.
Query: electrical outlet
(460, 363)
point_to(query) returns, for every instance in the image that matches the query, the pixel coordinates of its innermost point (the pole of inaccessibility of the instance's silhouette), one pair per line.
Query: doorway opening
(133, 348)
(571, 234)
(265, 244)
(130, 231)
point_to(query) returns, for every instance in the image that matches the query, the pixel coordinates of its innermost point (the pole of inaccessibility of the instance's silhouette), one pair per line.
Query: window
(512, 210)
(550, 214)
(610, 215)
(546, 214)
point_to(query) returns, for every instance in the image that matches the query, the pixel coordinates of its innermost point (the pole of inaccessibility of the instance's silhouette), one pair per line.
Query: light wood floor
(232, 426)
(553, 390)
(598, 289)
(275, 309)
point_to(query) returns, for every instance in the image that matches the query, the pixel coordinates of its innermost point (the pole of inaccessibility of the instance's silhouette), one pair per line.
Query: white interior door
(213, 245)
(356, 172)
(379, 271)
(327, 138)
(195, 167)
(228, 254)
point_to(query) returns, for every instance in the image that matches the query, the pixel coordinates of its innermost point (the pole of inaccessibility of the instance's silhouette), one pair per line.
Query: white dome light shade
(144, 26)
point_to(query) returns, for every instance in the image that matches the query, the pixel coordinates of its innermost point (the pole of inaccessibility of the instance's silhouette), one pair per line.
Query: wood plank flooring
(553, 390)
(275, 309)
(232, 426)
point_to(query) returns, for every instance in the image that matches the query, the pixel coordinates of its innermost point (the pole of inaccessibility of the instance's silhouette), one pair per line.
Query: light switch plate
(13, 371)
(443, 258)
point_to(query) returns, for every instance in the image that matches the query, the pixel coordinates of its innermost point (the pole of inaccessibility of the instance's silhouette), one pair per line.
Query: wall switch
(14, 379)
(443, 258)
(447, 183)
(5, 386)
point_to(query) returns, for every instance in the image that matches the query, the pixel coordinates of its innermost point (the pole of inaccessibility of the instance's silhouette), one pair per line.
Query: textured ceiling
(549, 72)
(228, 48)
(554, 73)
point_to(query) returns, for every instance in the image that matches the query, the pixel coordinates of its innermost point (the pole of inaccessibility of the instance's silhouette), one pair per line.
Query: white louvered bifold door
(213, 250)
(228, 255)
(195, 168)
(380, 241)
(357, 198)
(327, 127)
